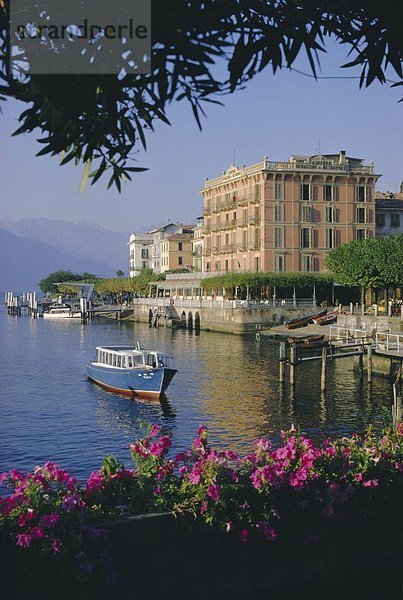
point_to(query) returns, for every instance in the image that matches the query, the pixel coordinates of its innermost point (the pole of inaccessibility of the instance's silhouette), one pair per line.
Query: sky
(278, 115)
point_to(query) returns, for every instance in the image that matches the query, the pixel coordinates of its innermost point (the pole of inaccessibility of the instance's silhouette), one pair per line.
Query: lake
(50, 411)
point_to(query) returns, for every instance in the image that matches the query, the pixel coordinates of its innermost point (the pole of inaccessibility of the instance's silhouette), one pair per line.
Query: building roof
(389, 200)
(178, 225)
(180, 236)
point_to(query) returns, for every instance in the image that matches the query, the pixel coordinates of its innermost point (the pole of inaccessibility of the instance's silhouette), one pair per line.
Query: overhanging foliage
(101, 120)
(281, 280)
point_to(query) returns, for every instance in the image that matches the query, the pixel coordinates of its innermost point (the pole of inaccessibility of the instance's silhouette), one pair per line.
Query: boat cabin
(130, 358)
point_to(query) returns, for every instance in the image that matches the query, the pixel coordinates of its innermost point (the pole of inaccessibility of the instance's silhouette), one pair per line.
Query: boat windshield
(132, 359)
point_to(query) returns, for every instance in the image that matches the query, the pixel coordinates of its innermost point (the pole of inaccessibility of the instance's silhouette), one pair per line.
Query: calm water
(50, 411)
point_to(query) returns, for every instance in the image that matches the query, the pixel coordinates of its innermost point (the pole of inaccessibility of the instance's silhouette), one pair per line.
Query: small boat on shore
(61, 312)
(131, 371)
(327, 319)
(304, 321)
(309, 339)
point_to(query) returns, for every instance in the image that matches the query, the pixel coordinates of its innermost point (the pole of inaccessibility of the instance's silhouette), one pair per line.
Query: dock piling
(369, 363)
(293, 362)
(282, 362)
(323, 371)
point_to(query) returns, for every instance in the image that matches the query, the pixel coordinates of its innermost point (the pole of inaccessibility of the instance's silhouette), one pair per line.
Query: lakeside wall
(215, 315)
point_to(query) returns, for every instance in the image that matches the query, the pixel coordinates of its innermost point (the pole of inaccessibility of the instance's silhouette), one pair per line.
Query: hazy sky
(276, 115)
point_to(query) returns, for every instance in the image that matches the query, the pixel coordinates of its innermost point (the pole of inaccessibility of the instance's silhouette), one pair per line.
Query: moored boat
(131, 371)
(61, 312)
(304, 321)
(327, 319)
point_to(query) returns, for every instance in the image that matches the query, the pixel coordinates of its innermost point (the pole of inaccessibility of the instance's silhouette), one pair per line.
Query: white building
(158, 235)
(140, 245)
(389, 212)
(197, 243)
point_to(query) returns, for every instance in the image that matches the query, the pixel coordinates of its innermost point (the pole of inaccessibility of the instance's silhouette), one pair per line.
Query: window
(278, 190)
(278, 263)
(278, 237)
(327, 193)
(380, 219)
(143, 264)
(361, 215)
(278, 212)
(180, 260)
(331, 214)
(394, 220)
(226, 266)
(257, 238)
(361, 234)
(306, 237)
(330, 238)
(307, 263)
(180, 246)
(245, 239)
(305, 191)
(360, 193)
(306, 213)
(144, 253)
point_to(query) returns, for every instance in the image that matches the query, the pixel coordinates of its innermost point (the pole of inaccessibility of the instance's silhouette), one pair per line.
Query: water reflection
(48, 408)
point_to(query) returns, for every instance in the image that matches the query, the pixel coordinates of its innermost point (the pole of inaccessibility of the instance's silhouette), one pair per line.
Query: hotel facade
(285, 216)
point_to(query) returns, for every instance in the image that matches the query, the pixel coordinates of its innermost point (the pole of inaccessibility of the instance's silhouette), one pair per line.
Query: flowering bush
(297, 487)
(46, 515)
(270, 488)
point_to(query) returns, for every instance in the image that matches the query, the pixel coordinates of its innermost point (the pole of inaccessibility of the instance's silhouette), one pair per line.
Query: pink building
(285, 216)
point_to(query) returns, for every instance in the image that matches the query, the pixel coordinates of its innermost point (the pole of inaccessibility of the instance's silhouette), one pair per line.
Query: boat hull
(147, 383)
(303, 321)
(326, 319)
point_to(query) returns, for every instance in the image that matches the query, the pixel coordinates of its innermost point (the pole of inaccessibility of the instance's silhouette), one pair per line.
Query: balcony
(229, 224)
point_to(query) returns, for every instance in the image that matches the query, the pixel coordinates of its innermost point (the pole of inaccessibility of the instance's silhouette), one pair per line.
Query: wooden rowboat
(304, 321)
(327, 319)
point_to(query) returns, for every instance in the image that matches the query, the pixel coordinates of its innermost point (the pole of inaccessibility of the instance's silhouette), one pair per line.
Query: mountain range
(30, 249)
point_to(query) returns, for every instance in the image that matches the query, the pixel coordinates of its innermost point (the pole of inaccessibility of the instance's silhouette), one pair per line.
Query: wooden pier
(343, 343)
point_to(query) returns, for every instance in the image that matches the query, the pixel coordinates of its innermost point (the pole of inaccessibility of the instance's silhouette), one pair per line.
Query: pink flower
(94, 483)
(36, 533)
(214, 491)
(56, 545)
(23, 540)
(70, 501)
(139, 448)
(196, 473)
(244, 535)
(371, 483)
(161, 446)
(268, 532)
(48, 520)
(202, 431)
(256, 479)
(154, 430)
(203, 507)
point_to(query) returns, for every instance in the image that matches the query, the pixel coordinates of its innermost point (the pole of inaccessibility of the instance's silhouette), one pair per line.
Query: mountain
(79, 240)
(24, 262)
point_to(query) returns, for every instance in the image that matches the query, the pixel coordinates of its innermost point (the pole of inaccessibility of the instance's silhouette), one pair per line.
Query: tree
(374, 262)
(47, 285)
(100, 120)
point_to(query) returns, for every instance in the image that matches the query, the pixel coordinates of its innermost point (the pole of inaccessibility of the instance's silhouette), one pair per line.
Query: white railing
(344, 334)
(389, 341)
(210, 303)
